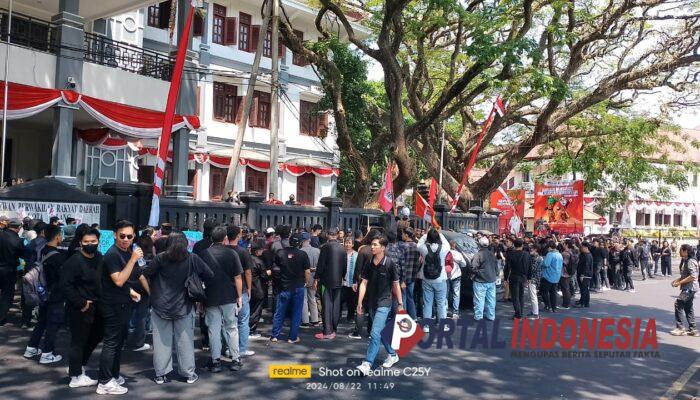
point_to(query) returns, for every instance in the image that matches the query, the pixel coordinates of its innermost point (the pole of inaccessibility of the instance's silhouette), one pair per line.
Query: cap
(484, 242)
(333, 231)
(305, 236)
(270, 230)
(14, 223)
(295, 240)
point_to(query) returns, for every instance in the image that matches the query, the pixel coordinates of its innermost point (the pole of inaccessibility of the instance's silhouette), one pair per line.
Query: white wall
(113, 84)
(29, 67)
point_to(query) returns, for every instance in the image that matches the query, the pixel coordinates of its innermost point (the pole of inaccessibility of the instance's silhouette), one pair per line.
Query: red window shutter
(304, 117)
(198, 26)
(253, 118)
(281, 48)
(230, 31)
(323, 125)
(218, 101)
(254, 37)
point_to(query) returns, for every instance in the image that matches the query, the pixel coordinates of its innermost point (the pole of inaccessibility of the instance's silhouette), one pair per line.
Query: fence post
(124, 206)
(252, 200)
(442, 215)
(333, 204)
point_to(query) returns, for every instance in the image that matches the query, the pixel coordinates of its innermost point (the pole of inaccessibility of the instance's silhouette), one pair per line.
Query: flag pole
(442, 160)
(5, 99)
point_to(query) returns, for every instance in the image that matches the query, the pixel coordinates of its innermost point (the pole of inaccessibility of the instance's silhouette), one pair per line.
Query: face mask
(90, 248)
(434, 247)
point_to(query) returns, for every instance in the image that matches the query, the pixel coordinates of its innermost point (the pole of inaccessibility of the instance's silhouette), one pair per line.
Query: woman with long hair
(171, 312)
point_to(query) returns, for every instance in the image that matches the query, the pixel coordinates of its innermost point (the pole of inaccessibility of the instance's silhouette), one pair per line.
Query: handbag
(194, 285)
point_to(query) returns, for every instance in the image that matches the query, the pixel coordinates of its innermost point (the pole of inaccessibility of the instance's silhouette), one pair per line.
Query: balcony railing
(105, 51)
(29, 32)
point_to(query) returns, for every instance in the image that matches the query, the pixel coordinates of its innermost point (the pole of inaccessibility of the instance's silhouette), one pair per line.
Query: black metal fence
(105, 51)
(29, 31)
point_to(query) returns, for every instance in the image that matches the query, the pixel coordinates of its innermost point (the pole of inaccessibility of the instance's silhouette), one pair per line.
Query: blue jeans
(454, 289)
(243, 327)
(434, 290)
(295, 298)
(484, 293)
(408, 300)
(139, 315)
(378, 323)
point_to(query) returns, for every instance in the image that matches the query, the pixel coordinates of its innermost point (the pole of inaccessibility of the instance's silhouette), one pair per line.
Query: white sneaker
(390, 361)
(633, 291)
(48, 358)
(120, 381)
(145, 346)
(31, 352)
(68, 370)
(365, 368)
(426, 329)
(81, 381)
(247, 353)
(111, 387)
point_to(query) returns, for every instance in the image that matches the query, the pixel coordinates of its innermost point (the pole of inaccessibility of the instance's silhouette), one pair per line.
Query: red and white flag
(164, 141)
(433, 192)
(386, 193)
(424, 210)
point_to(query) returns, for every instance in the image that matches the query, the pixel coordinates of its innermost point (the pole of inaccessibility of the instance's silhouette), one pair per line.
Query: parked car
(468, 247)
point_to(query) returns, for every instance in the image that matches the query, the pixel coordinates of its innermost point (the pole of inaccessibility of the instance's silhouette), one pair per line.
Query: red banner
(559, 207)
(511, 205)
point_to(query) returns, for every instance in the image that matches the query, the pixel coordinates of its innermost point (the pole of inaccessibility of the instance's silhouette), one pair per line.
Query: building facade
(115, 57)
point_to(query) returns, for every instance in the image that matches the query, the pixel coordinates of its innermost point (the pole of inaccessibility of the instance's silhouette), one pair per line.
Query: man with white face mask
(434, 247)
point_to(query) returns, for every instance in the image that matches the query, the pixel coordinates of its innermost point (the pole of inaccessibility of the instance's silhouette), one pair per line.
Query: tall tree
(444, 61)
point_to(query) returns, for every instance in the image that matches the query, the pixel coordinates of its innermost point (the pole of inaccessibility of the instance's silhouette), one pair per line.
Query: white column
(203, 181)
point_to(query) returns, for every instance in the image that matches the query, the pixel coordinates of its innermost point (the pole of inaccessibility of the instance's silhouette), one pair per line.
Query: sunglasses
(123, 236)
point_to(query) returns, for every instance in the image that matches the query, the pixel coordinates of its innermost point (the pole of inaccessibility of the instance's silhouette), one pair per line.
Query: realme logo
(289, 371)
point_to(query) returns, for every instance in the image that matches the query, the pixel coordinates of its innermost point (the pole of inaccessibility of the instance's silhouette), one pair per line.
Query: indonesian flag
(386, 193)
(499, 107)
(164, 141)
(424, 210)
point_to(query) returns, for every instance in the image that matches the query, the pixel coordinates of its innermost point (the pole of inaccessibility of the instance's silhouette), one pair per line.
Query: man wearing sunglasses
(119, 273)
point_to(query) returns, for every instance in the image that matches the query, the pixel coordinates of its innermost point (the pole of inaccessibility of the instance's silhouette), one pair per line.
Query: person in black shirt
(10, 252)
(294, 274)
(379, 279)
(80, 281)
(198, 249)
(161, 243)
(585, 270)
(51, 313)
(517, 271)
(119, 266)
(224, 298)
(258, 285)
(140, 311)
(332, 265)
(234, 235)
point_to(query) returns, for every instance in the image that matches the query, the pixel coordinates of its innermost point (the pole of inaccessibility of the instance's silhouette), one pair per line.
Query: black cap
(333, 231)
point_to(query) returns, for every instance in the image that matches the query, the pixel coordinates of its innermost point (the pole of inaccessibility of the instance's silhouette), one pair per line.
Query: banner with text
(511, 206)
(559, 207)
(87, 213)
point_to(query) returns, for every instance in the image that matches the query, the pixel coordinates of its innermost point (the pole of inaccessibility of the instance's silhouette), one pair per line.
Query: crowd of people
(150, 281)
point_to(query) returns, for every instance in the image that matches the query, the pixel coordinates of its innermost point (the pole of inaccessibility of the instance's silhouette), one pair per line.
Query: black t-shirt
(224, 262)
(114, 261)
(292, 263)
(52, 271)
(246, 262)
(80, 280)
(380, 278)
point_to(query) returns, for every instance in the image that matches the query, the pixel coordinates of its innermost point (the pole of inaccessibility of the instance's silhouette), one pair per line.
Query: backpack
(432, 266)
(34, 283)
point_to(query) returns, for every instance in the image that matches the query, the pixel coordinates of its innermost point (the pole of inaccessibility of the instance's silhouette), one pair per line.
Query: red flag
(386, 193)
(497, 108)
(164, 141)
(433, 192)
(424, 210)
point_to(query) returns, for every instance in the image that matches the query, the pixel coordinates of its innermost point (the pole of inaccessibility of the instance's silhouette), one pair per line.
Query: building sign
(511, 207)
(87, 213)
(559, 207)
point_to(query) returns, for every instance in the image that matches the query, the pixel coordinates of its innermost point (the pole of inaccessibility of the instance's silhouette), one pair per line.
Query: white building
(125, 61)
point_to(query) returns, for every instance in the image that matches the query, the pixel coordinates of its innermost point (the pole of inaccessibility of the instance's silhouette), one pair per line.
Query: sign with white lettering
(87, 213)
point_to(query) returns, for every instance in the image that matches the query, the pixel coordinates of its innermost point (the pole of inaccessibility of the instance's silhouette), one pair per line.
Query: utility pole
(442, 162)
(248, 102)
(274, 101)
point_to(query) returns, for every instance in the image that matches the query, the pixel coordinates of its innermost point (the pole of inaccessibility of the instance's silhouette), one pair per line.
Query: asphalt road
(479, 373)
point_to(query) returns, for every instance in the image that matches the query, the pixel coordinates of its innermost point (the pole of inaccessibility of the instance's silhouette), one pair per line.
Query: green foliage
(624, 155)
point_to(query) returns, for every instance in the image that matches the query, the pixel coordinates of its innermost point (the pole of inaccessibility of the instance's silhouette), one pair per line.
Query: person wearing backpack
(434, 247)
(51, 310)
